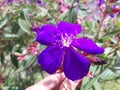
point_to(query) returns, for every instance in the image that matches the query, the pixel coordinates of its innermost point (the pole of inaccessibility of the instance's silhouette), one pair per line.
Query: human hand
(55, 82)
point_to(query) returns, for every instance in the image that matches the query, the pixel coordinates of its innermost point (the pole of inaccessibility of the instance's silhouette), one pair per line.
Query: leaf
(118, 80)
(5, 20)
(14, 60)
(30, 60)
(23, 25)
(89, 25)
(111, 34)
(2, 58)
(26, 63)
(118, 24)
(97, 86)
(90, 83)
(72, 15)
(87, 83)
(63, 16)
(95, 69)
(107, 75)
(10, 36)
(117, 66)
(26, 12)
(43, 12)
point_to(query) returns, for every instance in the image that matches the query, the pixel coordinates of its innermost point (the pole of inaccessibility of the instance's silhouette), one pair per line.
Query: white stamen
(66, 40)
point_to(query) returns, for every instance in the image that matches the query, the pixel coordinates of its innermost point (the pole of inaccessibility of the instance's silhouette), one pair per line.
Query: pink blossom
(90, 74)
(33, 49)
(1, 79)
(64, 8)
(21, 57)
(62, 1)
(103, 7)
(79, 20)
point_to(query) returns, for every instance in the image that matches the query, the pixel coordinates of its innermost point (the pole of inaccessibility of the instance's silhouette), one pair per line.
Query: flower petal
(47, 35)
(69, 28)
(75, 66)
(50, 59)
(87, 45)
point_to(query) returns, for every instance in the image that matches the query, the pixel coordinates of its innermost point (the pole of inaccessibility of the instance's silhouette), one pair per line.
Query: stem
(117, 48)
(100, 26)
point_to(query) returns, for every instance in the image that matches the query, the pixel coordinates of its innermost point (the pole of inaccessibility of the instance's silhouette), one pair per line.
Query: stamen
(66, 40)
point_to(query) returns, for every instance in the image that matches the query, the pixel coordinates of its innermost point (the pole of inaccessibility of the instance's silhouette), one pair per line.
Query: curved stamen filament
(66, 40)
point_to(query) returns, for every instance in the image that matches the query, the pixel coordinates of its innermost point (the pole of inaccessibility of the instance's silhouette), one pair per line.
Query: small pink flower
(34, 44)
(32, 16)
(79, 20)
(33, 49)
(64, 8)
(62, 1)
(90, 74)
(1, 79)
(103, 7)
(21, 57)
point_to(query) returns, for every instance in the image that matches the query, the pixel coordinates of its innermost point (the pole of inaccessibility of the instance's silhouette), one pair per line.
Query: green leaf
(107, 75)
(63, 16)
(10, 36)
(89, 25)
(118, 24)
(26, 12)
(118, 80)
(111, 34)
(2, 58)
(30, 60)
(87, 82)
(5, 20)
(72, 15)
(95, 69)
(97, 86)
(14, 60)
(43, 12)
(26, 63)
(117, 66)
(90, 83)
(23, 25)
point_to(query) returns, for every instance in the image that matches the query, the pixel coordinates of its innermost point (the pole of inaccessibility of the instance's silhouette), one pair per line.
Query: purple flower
(100, 2)
(62, 41)
(112, 15)
(40, 3)
(10, 1)
(119, 13)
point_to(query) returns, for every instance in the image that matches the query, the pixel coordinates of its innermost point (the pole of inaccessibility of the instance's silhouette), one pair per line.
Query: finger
(48, 83)
(69, 84)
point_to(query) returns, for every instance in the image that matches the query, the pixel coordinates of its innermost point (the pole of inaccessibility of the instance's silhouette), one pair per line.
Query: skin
(55, 82)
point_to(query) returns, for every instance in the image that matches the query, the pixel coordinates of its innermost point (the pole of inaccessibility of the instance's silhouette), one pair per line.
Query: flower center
(66, 40)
